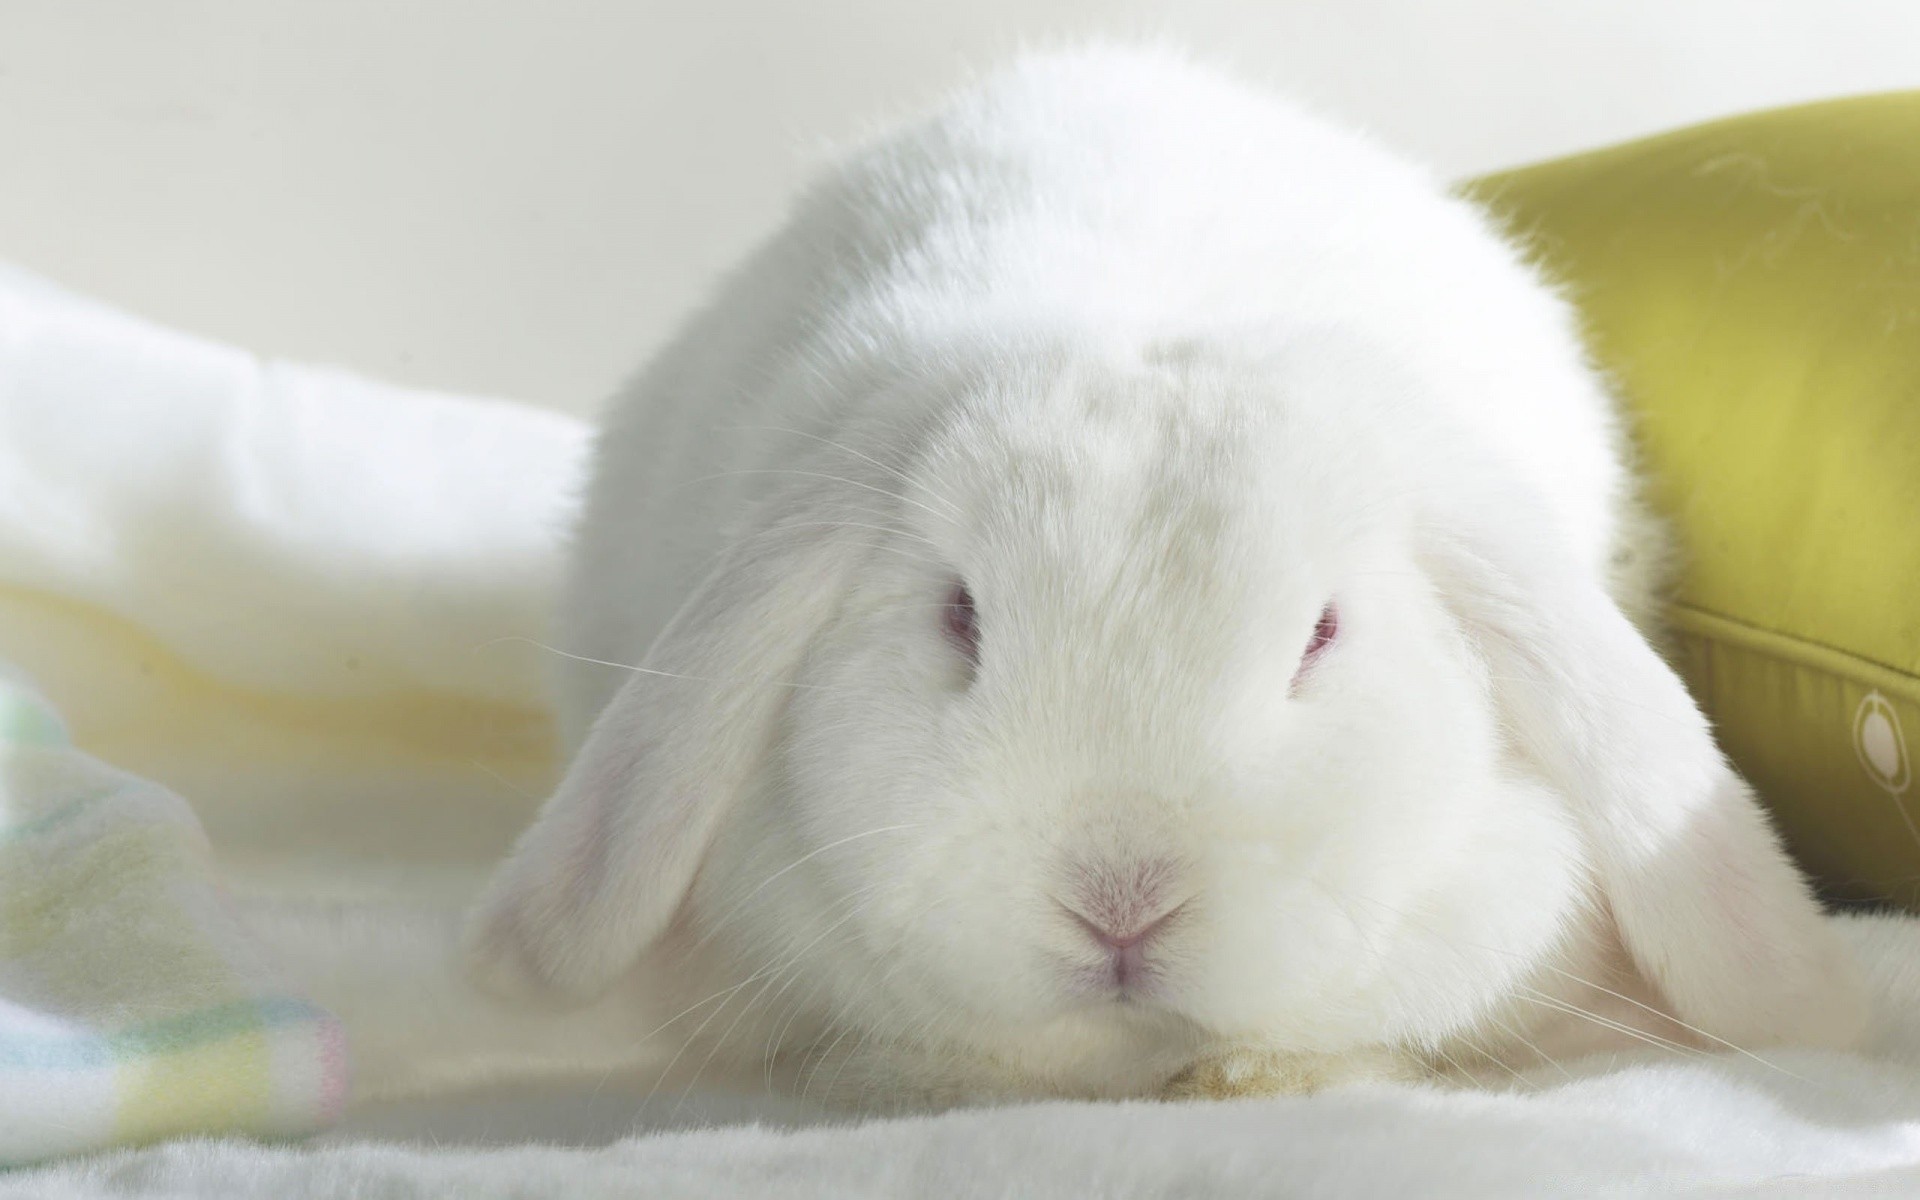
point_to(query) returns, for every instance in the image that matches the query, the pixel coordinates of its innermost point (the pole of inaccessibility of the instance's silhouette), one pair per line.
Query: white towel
(211, 498)
(291, 594)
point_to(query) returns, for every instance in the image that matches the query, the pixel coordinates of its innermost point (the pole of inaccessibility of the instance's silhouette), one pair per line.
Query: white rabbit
(1128, 592)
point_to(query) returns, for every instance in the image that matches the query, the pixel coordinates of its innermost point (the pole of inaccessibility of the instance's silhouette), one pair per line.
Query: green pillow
(1753, 286)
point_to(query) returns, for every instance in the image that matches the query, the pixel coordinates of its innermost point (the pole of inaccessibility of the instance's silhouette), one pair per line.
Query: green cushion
(1753, 285)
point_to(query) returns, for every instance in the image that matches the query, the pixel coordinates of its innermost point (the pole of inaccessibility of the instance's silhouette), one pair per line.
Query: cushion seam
(1797, 651)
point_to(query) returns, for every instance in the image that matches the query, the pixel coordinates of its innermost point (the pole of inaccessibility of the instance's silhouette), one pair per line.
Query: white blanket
(306, 602)
(298, 597)
(1804, 1126)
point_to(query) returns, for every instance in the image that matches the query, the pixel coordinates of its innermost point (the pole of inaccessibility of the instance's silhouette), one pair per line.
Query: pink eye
(1324, 631)
(962, 623)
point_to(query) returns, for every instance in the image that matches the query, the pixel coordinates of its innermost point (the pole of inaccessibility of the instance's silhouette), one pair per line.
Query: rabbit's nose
(1126, 947)
(1122, 941)
(1123, 906)
(1121, 896)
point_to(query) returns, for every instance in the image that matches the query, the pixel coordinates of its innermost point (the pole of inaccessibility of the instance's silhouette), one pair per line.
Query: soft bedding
(312, 606)
(134, 1003)
(1797, 1125)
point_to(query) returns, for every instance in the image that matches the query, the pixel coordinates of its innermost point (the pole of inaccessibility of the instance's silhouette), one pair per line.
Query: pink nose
(1123, 905)
(1120, 942)
(1126, 949)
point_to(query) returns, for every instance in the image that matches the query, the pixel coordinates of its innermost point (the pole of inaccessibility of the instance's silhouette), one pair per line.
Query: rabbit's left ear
(1707, 903)
(604, 869)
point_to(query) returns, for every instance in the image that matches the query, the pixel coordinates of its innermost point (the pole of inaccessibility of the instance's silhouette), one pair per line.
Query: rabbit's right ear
(1705, 899)
(606, 866)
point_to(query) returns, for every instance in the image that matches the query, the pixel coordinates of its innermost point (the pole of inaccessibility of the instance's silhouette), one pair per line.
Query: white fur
(1158, 364)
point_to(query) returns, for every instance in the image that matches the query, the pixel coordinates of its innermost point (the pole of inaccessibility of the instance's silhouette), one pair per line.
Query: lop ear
(605, 867)
(1707, 903)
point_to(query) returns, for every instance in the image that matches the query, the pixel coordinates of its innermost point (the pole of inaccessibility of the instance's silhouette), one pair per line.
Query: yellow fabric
(1754, 287)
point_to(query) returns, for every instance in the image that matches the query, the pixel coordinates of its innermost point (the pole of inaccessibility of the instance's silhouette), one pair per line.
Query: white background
(519, 197)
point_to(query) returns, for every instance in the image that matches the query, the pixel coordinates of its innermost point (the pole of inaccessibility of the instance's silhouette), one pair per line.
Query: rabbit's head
(1129, 702)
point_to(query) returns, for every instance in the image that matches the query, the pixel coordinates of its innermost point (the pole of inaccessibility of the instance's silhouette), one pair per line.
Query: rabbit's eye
(962, 623)
(1324, 631)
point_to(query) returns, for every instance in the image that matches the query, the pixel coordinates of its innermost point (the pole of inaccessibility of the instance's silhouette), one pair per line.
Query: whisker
(733, 910)
(639, 670)
(894, 471)
(719, 1042)
(876, 986)
(667, 1071)
(768, 974)
(894, 530)
(770, 1054)
(807, 1084)
(1454, 1063)
(663, 1026)
(509, 784)
(1693, 1029)
(1535, 996)
(1524, 1040)
(937, 564)
(1479, 1049)
(1571, 1009)
(794, 471)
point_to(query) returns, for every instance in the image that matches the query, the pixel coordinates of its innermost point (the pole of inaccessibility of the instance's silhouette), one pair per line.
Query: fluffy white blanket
(1800, 1125)
(302, 601)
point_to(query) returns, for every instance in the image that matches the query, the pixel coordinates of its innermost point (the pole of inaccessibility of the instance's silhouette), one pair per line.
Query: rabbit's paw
(1248, 1071)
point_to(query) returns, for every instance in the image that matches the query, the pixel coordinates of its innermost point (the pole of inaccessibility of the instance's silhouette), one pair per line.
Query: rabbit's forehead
(1154, 480)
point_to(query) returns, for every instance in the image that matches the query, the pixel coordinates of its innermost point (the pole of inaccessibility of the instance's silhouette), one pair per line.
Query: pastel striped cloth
(133, 1005)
